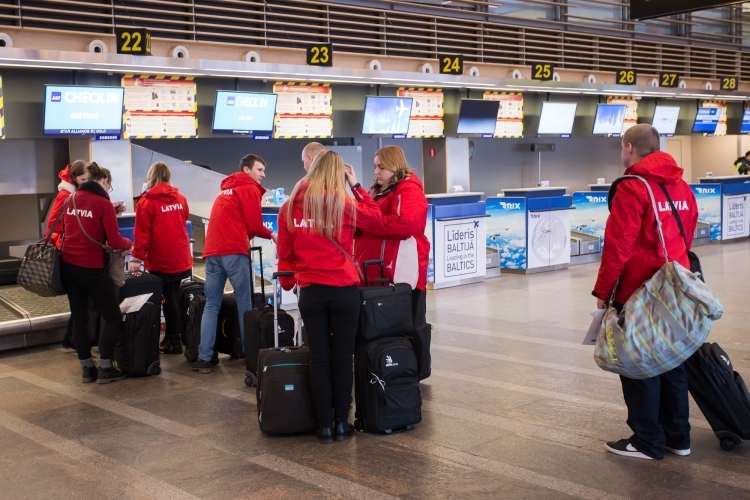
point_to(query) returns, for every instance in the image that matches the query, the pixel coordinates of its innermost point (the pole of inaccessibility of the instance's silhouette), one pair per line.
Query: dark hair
(747, 154)
(97, 173)
(249, 160)
(78, 168)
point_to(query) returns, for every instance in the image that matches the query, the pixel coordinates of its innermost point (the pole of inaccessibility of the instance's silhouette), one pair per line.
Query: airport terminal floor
(515, 408)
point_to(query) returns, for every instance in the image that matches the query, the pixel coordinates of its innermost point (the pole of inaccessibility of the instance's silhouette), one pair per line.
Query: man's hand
(274, 237)
(135, 268)
(351, 177)
(600, 304)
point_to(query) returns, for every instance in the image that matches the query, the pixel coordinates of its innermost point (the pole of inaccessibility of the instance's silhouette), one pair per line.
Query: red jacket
(99, 220)
(313, 257)
(401, 228)
(161, 238)
(235, 217)
(632, 250)
(64, 189)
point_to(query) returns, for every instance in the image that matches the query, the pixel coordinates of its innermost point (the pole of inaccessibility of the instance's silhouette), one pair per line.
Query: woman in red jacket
(73, 176)
(88, 215)
(316, 234)
(398, 237)
(162, 244)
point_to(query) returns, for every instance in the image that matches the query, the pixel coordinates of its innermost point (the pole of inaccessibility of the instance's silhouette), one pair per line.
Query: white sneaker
(681, 453)
(624, 448)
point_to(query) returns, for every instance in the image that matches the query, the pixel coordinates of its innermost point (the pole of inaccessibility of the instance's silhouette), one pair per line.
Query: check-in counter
(600, 187)
(723, 204)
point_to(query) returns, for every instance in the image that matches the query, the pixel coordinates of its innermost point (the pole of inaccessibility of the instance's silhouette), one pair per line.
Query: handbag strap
(656, 212)
(80, 224)
(675, 213)
(349, 257)
(51, 231)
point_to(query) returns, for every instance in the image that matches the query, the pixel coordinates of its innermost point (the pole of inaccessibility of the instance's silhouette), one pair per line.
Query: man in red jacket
(658, 406)
(235, 220)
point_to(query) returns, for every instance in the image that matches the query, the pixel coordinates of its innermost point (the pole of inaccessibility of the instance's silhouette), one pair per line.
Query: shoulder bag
(114, 260)
(40, 268)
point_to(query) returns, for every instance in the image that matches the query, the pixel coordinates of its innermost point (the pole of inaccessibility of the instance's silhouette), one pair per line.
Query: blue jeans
(218, 269)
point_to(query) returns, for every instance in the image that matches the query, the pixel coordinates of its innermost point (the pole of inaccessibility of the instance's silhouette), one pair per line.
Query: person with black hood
(89, 215)
(162, 244)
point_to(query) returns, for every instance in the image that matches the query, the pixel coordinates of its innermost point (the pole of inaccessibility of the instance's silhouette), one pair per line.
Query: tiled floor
(516, 408)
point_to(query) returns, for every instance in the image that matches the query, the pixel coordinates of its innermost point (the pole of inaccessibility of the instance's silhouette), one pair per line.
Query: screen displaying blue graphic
(745, 128)
(387, 115)
(244, 113)
(557, 118)
(609, 119)
(82, 110)
(665, 119)
(706, 120)
(477, 117)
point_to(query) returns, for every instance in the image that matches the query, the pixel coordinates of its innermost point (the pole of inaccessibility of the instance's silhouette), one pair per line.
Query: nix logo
(56, 97)
(389, 362)
(597, 199)
(226, 192)
(510, 206)
(705, 190)
(268, 225)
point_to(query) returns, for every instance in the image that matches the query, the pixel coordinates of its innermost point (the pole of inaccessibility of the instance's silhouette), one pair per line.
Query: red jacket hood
(659, 167)
(240, 179)
(64, 175)
(164, 192)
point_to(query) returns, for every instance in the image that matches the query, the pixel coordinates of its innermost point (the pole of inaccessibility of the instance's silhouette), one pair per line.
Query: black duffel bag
(386, 307)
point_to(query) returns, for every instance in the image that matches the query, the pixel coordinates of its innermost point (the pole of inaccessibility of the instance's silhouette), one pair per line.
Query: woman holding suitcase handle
(163, 245)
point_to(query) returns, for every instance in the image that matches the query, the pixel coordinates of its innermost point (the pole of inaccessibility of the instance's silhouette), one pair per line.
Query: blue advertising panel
(745, 127)
(708, 198)
(387, 115)
(706, 120)
(270, 222)
(82, 110)
(591, 213)
(506, 230)
(244, 113)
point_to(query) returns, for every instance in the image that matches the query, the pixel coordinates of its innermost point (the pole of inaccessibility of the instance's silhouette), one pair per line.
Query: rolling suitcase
(386, 309)
(143, 284)
(186, 292)
(285, 404)
(192, 336)
(386, 386)
(720, 393)
(420, 340)
(137, 350)
(259, 334)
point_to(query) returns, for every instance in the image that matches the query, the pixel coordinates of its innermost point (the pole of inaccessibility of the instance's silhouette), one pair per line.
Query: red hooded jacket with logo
(399, 234)
(161, 238)
(64, 189)
(632, 250)
(235, 217)
(100, 222)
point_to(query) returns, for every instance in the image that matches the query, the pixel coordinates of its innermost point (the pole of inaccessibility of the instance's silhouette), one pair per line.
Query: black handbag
(386, 310)
(695, 263)
(40, 268)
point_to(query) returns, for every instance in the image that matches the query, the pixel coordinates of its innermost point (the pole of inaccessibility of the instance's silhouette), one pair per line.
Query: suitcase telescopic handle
(276, 276)
(369, 263)
(252, 273)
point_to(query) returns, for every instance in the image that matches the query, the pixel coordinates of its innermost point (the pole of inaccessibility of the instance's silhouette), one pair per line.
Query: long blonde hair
(325, 199)
(158, 173)
(392, 158)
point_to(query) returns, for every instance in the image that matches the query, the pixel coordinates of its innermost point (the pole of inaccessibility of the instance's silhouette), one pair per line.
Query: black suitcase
(137, 350)
(386, 386)
(285, 404)
(9, 267)
(386, 308)
(192, 336)
(141, 285)
(259, 327)
(186, 292)
(420, 340)
(228, 334)
(720, 393)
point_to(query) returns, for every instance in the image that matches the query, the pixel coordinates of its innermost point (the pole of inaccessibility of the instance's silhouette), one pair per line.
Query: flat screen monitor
(477, 117)
(387, 115)
(74, 110)
(706, 120)
(745, 127)
(246, 113)
(665, 119)
(609, 119)
(557, 118)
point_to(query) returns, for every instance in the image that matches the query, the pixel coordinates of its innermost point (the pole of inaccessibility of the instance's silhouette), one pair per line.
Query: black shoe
(89, 374)
(201, 366)
(342, 429)
(164, 343)
(624, 448)
(325, 434)
(215, 360)
(171, 348)
(111, 374)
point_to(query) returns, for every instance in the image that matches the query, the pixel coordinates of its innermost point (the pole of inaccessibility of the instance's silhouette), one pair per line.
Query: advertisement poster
(708, 197)
(509, 113)
(426, 112)
(631, 111)
(735, 216)
(506, 230)
(590, 214)
(159, 107)
(428, 230)
(303, 111)
(460, 252)
(548, 238)
(721, 128)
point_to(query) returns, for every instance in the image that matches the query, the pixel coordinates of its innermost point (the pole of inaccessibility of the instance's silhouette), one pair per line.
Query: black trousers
(80, 284)
(330, 314)
(170, 306)
(658, 411)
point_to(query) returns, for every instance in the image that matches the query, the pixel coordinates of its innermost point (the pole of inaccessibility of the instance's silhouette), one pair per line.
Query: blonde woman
(162, 244)
(316, 234)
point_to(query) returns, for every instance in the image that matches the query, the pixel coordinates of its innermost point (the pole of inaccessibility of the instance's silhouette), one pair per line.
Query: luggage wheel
(728, 440)
(250, 380)
(727, 444)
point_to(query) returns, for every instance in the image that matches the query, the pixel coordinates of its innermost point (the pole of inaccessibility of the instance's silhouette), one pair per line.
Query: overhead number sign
(320, 55)
(671, 80)
(729, 83)
(133, 41)
(541, 71)
(451, 65)
(626, 77)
